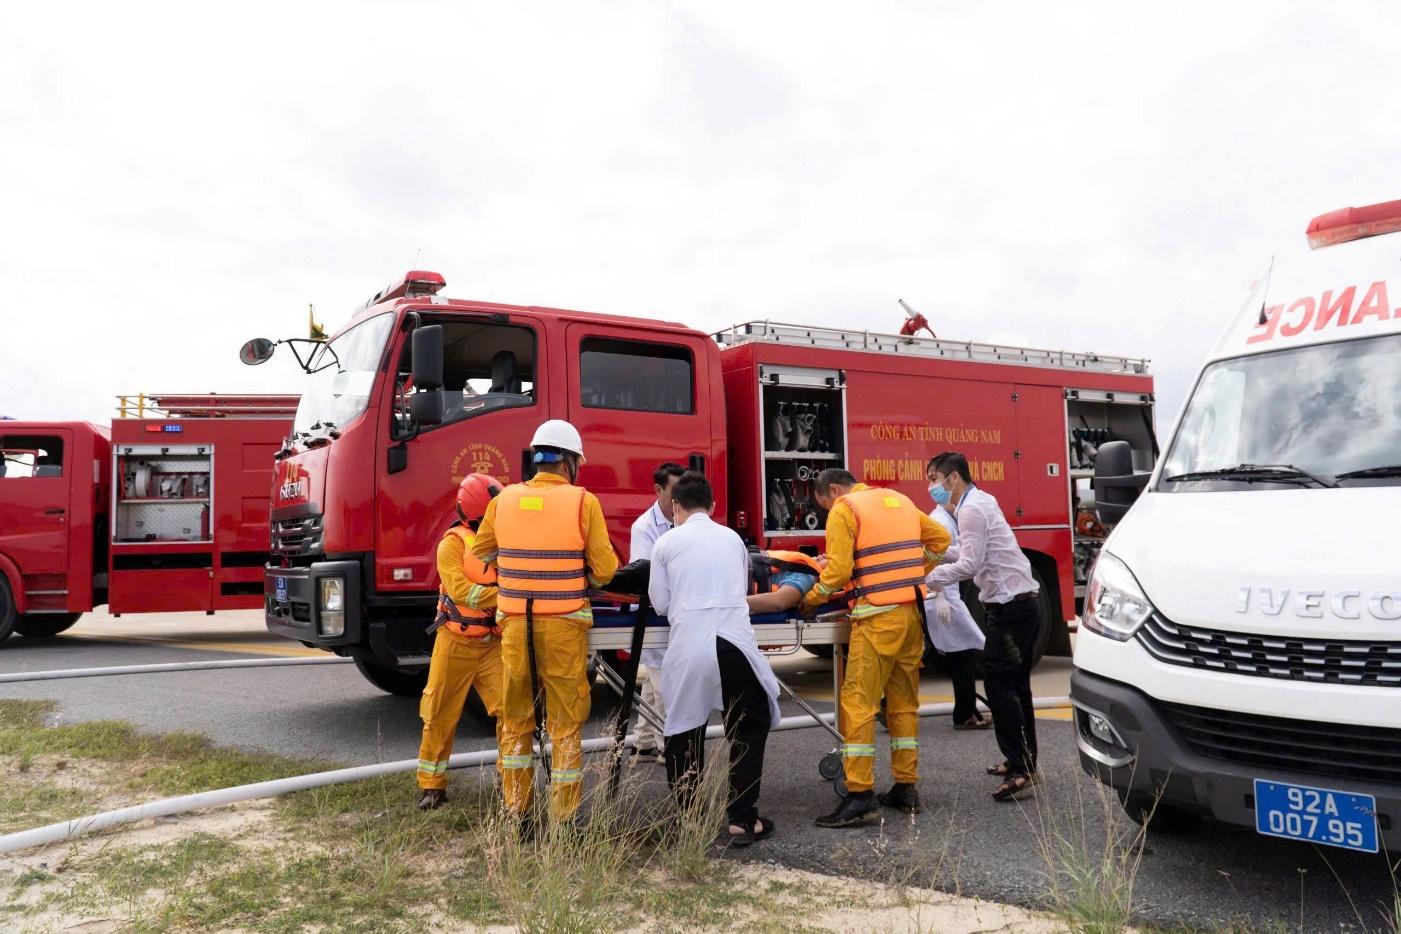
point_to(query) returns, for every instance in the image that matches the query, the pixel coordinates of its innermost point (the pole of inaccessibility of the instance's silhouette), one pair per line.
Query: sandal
(974, 723)
(1000, 769)
(1012, 786)
(748, 835)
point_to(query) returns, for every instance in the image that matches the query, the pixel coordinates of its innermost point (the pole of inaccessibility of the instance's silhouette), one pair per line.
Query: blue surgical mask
(940, 494)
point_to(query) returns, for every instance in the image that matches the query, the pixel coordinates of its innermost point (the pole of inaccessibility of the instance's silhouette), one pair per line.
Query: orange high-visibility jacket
(472, 622)
(889, 556)
(552, 570)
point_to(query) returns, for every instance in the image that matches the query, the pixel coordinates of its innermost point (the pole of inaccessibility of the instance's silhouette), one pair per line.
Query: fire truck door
(495, 392)
(34, 506)
(1043, 489)
(639, 399)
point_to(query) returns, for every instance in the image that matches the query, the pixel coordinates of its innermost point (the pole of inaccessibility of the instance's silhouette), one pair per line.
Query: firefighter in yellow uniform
(883, 545)
(549, 544)
(467, 644)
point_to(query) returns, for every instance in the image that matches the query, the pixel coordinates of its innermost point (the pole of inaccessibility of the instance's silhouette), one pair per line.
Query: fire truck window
(486, 367)
(31, 456)
(632, 375)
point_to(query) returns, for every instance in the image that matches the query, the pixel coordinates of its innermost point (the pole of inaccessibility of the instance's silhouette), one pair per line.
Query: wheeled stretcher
(615, 628)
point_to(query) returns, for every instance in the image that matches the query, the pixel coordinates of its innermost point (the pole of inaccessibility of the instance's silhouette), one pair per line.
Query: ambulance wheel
(46, 625)
(830, 766)
(8, 616)
(392, 680)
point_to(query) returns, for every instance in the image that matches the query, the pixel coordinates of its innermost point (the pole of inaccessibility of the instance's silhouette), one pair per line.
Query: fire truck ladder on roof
(209, 405)
(771, 332)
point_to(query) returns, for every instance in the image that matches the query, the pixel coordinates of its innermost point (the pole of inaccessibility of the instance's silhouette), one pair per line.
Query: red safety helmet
(473, 493)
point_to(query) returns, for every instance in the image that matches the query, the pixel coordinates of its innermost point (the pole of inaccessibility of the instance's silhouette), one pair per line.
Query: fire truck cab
(419, 390)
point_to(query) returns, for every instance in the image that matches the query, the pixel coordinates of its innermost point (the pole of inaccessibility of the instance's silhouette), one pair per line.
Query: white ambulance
(1241, 649)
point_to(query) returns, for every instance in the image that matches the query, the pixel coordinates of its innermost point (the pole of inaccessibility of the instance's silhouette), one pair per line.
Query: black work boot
(431, 799)
(901, 797)
(851, 812)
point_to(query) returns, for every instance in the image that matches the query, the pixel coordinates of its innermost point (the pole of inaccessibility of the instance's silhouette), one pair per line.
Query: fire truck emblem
(292, 486)
(479, 457)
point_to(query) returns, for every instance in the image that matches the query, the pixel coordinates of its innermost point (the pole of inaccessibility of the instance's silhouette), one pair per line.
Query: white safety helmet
(557, 433)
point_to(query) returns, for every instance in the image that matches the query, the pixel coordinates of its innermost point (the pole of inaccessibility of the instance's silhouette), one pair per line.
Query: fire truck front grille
(1336, 750)
(1326, 661)
(296, 538)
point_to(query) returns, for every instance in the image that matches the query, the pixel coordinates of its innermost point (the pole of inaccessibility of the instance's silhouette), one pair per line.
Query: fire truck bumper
(319, 604)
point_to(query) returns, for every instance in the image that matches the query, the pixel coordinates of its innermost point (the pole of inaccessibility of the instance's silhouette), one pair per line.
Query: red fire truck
(419, 390)
(165, 510)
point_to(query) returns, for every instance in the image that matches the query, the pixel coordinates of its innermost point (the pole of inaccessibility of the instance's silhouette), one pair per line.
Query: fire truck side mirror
(1116, 485)
(426, 408)
(427, 350)
(258, 350)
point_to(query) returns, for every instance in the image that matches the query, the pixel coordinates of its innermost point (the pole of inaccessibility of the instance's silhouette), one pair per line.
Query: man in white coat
(650, 526)
(699, 579)
(952, 628)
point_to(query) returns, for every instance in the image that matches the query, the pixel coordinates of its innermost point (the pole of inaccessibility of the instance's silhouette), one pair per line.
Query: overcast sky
(1104, 177)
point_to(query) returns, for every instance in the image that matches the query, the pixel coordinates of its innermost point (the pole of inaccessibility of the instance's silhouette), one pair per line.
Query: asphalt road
(964, 840)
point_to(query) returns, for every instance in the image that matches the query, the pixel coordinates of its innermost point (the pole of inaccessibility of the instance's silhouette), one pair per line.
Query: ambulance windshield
(335, 395)
(1310, 416)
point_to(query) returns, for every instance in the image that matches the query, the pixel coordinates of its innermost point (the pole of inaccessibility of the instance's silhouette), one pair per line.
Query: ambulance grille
(1325, 661)
(1335, 750)
(297, 537)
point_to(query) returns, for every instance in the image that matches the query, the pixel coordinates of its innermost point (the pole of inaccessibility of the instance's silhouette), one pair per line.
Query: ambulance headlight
(330, 617)
(1115, 606)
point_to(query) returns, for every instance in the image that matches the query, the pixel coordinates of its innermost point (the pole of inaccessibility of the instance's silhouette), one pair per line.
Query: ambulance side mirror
(1116, 485)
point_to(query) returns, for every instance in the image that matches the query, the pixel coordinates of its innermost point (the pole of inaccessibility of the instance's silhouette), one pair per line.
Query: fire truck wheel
(45, 626)
(392, 680)
(8, 616)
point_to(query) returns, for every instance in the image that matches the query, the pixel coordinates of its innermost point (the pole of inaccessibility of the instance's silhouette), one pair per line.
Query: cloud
(1101, 177)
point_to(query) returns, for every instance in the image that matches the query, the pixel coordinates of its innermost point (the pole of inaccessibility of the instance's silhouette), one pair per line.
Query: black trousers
(746, 727)
(1011, 639)
(963, 672)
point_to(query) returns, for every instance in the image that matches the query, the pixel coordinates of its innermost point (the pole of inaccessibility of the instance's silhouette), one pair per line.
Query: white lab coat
(700, 576)
(649, 527)
(960, 632)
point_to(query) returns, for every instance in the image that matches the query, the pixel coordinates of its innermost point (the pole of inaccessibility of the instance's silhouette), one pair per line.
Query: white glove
(943, 611)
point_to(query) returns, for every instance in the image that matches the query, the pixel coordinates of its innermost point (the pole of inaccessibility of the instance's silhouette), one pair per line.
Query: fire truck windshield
(337, 394)
(1306, 416)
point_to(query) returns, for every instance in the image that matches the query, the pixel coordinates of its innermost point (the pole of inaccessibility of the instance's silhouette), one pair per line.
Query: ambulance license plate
(1300, 812)
(280, 593)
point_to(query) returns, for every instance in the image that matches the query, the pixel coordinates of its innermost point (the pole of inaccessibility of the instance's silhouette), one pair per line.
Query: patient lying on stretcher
(781, 579)
(778, 582)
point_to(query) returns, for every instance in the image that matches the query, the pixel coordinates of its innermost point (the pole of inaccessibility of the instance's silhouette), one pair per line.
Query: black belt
(1021, 598)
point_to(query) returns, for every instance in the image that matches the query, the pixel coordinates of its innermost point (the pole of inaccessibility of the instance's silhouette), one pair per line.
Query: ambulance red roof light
(416, 282)
(1346, 224)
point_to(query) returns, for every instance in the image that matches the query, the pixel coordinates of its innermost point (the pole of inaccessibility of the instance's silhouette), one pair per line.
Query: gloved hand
(943, 610)
(949, 556)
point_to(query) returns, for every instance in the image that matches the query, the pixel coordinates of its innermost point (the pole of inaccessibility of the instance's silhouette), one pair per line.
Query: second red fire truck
(419, 390)
(165, 510)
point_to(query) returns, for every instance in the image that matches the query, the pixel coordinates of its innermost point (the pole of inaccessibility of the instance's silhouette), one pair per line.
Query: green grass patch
(32, 802)
(165, 763)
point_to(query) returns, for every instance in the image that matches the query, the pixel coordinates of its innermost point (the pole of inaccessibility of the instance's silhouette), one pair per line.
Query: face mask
(940, 494)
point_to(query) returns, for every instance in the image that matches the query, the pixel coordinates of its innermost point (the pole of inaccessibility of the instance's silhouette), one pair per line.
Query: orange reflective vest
(888, 565)
(471, 622)
(541, 549)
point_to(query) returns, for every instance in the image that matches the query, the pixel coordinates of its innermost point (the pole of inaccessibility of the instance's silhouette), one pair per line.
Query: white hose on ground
(57, 674)
(82, 826)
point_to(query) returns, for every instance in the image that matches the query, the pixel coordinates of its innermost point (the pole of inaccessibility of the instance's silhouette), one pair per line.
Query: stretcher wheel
(839, 786)
(830, 766)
